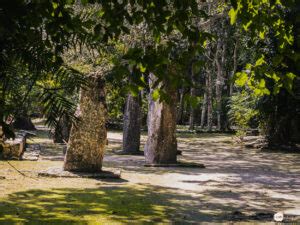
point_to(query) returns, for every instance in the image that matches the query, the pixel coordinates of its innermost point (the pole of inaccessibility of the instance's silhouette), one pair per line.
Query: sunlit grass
(86, 206)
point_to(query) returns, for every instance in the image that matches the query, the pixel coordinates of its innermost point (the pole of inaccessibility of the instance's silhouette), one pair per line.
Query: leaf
(262, 34)
(155, 94)
(289, 81)
(242, 78)
(233, 15)
(55, 5)
(260, 61)
(290, 76)
(247, 25)
(142, 68)
(262, 83)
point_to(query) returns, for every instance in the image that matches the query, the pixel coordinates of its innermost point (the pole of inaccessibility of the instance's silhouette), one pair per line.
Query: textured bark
(209, 101)
(88, 137)
(62, 131)
(131, 125)
(203, 110)
(161, 146)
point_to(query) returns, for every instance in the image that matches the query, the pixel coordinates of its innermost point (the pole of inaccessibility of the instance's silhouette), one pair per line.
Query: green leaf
(262, 83)
(290, 76)
(262, 34)
(260, 61)
(233, 15)
(155, 94)
(289, 81)
(55, 5)
(241, 79)
(142, 68)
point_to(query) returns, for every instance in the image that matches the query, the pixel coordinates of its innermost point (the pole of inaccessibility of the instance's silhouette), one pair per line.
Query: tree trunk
(193, 94)
(88, 137)
(219, 84)
(234, 67)
(203, 111)
(161, 146)
(131, 125)
(1, 141)
(209, 101)
(181, 106)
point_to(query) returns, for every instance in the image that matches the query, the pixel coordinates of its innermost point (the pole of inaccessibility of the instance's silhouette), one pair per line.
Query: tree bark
(234, 67)
(193, 94)
(203, 110)
(180, 107)
(88, 137)
(132, 125)
(219, 83)
(209, 101)
(161, 146)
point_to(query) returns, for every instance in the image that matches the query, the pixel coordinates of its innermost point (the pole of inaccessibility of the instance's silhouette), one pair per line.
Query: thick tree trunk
(209, 101)
(203, 110)
(62, 131)
(131, 125)
(88, 138)
(161, 146)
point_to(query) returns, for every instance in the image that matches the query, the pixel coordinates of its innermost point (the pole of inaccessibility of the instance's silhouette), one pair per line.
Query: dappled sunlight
(126, 205)
(235, 179)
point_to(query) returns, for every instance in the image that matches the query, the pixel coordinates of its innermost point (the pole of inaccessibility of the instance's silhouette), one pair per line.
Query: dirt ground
(239, 185)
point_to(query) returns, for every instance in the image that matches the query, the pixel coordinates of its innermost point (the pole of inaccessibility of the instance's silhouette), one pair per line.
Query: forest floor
(241, 185)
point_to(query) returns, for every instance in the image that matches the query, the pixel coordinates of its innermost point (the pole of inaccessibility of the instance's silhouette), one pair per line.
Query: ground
(237, 185)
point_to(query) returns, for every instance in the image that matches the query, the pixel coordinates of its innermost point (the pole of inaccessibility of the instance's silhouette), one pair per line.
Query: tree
(192, 95)
(209, 100)
(33, 38)
(132, 125)
(203, 109)
(88, 137)
(161, 146)
(274, 75)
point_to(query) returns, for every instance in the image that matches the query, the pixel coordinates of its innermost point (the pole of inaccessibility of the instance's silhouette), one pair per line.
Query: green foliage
(115, 100)
(243, 111)
(274, 22)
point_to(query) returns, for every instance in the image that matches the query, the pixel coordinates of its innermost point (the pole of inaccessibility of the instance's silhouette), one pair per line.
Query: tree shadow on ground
(137, 204)
(114, 204)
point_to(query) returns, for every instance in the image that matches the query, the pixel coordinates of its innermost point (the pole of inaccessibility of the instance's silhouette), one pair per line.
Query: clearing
(237, 185)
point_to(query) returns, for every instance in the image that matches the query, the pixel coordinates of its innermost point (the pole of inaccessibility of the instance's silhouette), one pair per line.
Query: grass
(105, 205)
